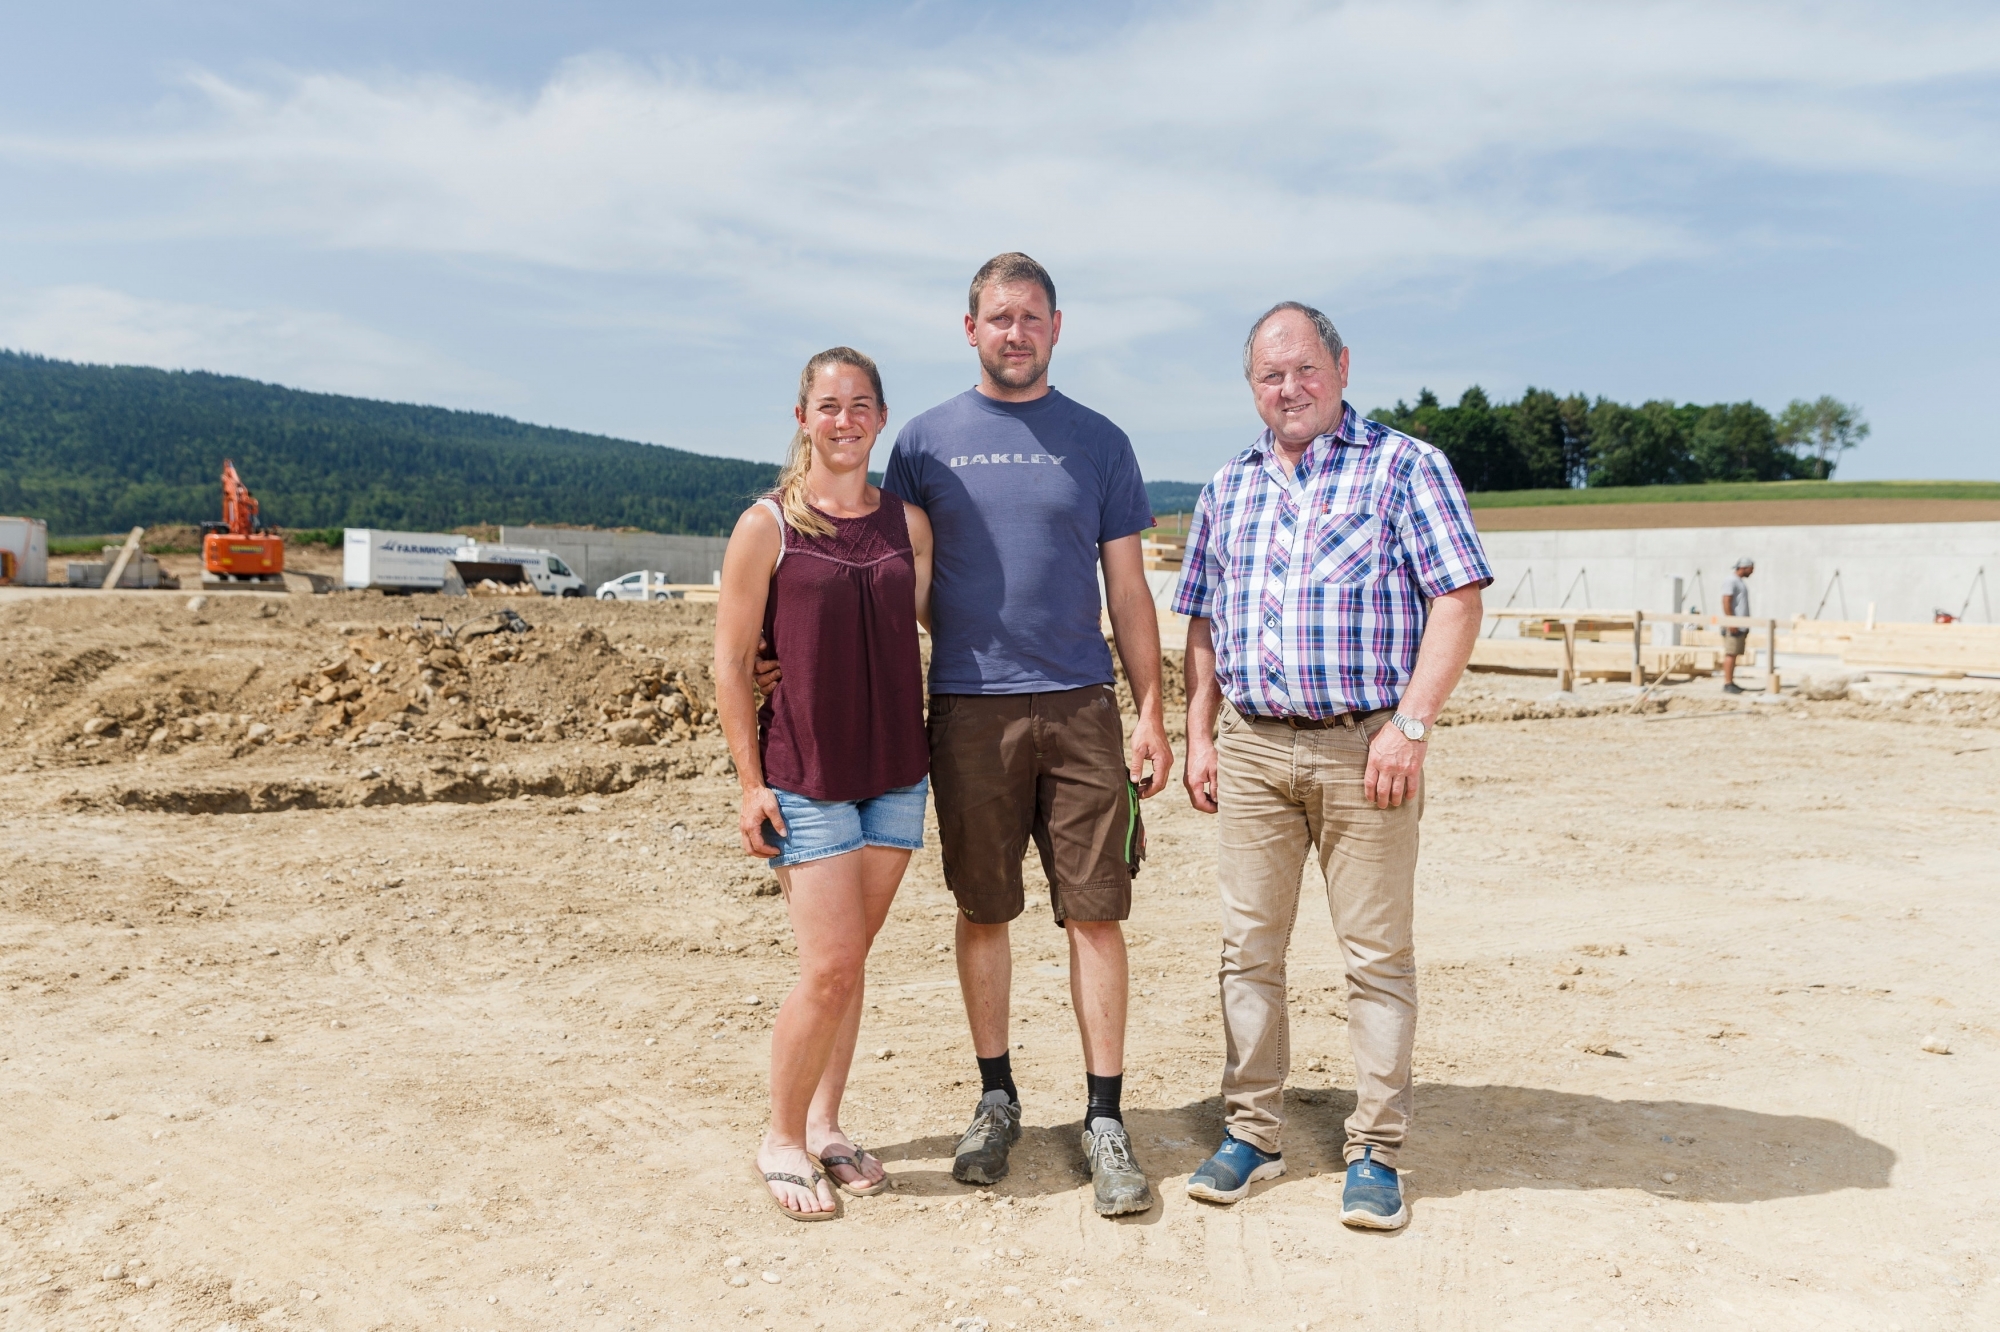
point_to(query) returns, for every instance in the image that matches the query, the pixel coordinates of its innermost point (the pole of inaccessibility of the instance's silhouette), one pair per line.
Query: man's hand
(1201, 776)
(1149, 742)
(767, 672)
(1395, 766)
(759, 804)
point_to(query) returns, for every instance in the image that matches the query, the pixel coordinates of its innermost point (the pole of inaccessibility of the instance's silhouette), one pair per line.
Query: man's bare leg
(1098, 989)
(986, 981)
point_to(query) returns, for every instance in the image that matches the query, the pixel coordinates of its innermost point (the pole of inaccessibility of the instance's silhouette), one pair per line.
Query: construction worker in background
(1735, 601)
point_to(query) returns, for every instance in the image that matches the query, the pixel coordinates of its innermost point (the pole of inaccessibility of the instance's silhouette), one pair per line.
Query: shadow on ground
(1467, 1139)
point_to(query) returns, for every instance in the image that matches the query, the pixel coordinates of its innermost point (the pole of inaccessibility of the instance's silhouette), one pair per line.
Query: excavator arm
(239, 506)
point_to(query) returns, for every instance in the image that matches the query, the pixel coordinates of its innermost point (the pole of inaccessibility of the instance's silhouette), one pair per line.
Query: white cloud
(1186, 158)
(300, 348)
(1177, 174)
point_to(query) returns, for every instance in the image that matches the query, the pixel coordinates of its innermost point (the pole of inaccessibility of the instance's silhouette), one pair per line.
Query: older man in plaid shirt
(1333, 576)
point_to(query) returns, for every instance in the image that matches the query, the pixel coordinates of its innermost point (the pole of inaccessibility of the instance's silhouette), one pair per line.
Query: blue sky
(640, 218)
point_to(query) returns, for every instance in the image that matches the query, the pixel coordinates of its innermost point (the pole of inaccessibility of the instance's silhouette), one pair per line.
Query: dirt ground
(452, 1012)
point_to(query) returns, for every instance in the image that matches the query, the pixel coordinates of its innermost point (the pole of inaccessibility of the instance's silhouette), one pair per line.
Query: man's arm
(1395, 762)
(1204, 705)
(1135, 625)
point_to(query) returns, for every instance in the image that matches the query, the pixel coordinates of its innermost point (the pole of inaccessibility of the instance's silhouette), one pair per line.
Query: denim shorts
(816, 829)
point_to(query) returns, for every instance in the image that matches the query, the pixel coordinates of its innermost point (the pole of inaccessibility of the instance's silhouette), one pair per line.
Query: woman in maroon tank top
(836, 575)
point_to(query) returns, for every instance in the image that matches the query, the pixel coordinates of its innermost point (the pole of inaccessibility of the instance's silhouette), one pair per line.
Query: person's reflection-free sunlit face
(1297, 386)
(842, 417)
(1015, 333)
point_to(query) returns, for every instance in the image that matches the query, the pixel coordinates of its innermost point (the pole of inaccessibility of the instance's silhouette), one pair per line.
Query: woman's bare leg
(881, 874)
(830, 916)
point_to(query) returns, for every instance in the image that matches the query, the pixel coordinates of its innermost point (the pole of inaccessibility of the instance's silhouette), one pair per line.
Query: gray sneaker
(1120, 1186)
(982, 1153)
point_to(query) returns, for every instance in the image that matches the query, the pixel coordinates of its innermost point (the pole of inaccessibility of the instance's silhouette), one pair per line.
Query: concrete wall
(1908, 570)
(599, 556)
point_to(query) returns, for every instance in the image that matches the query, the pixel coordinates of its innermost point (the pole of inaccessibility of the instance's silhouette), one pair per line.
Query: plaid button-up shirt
(1317, 579)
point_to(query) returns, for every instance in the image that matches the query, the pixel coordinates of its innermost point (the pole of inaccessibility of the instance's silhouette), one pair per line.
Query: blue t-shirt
(1020, 495)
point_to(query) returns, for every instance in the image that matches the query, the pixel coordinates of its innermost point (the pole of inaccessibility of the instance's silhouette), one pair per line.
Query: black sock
(1104, 1097)
(997, 1074)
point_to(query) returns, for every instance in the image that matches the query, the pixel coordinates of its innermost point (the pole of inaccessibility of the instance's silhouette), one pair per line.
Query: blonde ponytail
(790, 491)
(800, 516)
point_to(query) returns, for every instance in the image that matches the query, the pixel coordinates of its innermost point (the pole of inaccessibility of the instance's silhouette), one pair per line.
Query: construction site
(388, 961)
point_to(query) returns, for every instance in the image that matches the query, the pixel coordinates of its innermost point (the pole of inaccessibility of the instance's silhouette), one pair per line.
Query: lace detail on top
(859, 542)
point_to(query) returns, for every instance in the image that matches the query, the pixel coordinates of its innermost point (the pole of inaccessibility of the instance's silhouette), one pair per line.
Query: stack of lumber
(1594, 661)
(1162, 550)
(1949, 649)
(696, 592)
(1587, 631)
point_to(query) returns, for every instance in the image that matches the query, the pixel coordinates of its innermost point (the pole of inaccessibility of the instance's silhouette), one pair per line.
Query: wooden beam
(117, 569)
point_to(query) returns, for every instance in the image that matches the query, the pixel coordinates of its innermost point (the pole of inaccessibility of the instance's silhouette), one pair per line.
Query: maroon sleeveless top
(847, 720)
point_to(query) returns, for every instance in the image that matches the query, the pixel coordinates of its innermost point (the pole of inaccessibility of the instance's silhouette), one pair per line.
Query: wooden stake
(1568, 680)
(1638, 660)
(1771, 646)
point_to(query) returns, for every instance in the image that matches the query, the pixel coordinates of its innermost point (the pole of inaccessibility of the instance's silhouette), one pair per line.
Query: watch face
(1411, 727)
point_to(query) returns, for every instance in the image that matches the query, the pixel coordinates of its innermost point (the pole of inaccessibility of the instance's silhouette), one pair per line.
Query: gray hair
(1329, 336)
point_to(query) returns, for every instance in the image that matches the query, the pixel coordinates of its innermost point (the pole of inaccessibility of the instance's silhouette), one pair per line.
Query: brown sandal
(770, 1177)
(858, 1190)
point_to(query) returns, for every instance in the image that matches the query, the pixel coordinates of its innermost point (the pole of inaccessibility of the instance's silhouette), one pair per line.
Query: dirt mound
(210, 680)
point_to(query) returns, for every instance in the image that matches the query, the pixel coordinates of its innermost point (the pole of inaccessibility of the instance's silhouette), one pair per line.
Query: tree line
(96, 449)
(101, 449)
(1545, 442)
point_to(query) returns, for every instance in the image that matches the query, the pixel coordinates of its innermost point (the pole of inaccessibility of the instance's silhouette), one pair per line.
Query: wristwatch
(1410, 727)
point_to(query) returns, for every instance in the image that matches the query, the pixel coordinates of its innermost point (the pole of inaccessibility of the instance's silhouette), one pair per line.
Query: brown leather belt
(1345, 721)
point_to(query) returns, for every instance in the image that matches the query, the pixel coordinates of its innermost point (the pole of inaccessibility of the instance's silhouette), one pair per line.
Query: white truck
(419, 561)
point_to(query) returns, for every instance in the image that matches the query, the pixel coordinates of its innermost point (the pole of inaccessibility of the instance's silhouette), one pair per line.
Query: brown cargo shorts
(1007, 767)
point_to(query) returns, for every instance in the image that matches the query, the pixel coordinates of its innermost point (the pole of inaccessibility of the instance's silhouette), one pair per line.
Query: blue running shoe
(1228, 1175)
(1373, 1198)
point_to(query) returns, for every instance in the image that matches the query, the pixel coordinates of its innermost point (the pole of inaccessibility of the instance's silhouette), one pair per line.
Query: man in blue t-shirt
(1028, 493)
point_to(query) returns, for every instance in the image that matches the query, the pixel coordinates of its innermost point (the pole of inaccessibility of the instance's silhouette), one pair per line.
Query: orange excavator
(237, 549)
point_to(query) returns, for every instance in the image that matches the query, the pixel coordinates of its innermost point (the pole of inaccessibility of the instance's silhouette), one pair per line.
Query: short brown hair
(1012, 266)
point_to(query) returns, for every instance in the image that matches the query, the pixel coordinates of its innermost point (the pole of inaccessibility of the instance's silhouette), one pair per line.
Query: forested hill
(99, 448)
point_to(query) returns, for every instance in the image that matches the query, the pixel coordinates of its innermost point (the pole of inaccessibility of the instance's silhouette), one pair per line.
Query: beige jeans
(1281, 792)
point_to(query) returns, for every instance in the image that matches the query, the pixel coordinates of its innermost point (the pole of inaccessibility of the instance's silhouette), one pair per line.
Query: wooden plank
(1610, 661)
(117, 569)
(1973, 656)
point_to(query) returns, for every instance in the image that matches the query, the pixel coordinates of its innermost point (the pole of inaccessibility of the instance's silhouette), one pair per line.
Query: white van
(551, 577)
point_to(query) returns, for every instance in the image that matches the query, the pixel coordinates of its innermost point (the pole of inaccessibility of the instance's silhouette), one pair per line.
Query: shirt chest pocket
(1344, 547)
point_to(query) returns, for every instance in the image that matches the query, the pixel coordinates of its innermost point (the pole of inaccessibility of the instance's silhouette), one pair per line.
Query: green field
(1714, 492)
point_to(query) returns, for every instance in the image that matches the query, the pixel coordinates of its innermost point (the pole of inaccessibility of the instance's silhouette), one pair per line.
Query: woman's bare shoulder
(756, 520)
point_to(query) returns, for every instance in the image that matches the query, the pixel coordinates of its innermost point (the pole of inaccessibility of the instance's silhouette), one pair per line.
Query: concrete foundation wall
(1907, 570)
(600, 556)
